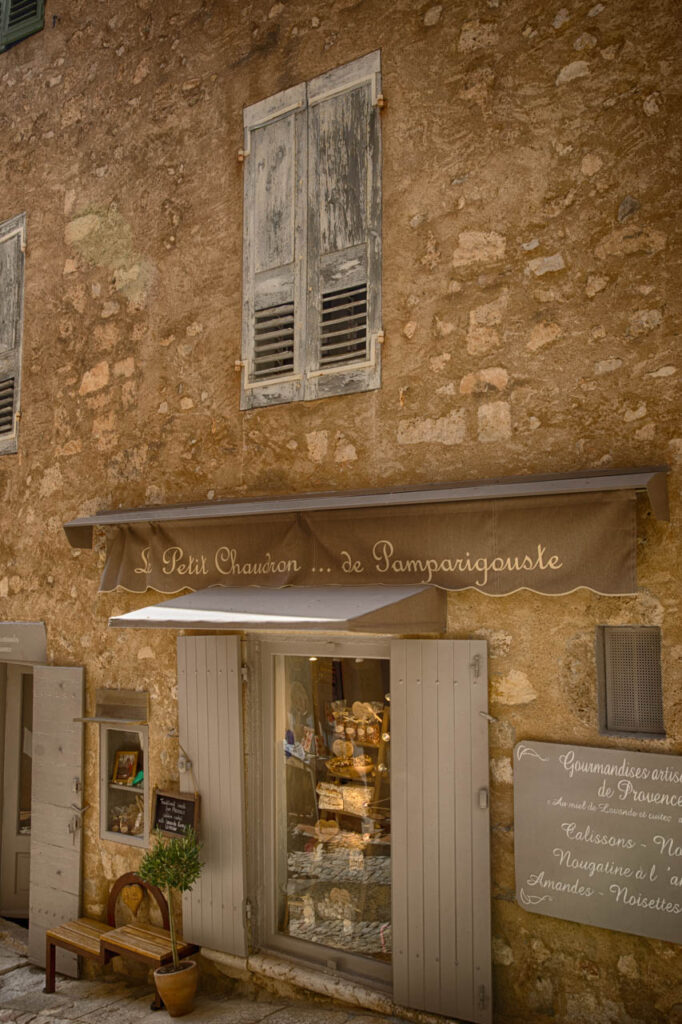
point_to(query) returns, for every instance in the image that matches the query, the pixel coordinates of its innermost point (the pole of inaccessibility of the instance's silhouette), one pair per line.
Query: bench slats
(144, 941)
(83, 936)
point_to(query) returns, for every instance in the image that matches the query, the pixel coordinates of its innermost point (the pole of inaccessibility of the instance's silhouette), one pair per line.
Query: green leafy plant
(173, 865)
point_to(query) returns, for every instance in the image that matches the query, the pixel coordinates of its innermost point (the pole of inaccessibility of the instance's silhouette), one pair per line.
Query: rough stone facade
(530, 310)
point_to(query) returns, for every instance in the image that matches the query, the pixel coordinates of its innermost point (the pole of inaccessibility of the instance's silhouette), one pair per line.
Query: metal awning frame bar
(652, 479)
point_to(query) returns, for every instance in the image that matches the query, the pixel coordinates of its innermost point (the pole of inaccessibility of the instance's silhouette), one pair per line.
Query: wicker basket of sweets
(351, 767)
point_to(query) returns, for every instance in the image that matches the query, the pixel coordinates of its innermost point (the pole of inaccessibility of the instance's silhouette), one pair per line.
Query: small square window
(630, 687)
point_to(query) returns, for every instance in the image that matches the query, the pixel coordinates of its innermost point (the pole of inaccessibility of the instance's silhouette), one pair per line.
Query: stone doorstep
(115, 999)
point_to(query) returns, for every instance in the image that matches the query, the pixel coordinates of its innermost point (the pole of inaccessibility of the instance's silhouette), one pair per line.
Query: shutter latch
(476, 665)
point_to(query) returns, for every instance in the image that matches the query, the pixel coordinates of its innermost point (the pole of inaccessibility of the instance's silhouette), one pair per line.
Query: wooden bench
(100, 941)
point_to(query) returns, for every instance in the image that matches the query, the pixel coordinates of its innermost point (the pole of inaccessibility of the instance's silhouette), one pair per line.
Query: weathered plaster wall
(530, 310)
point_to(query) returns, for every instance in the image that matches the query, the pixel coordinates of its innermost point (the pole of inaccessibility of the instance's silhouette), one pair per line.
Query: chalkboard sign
(173, 813)
(598, 837)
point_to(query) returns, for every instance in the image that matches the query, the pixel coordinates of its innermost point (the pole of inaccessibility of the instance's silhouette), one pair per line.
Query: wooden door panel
(210, 719)
(57, 786)
(441, 868)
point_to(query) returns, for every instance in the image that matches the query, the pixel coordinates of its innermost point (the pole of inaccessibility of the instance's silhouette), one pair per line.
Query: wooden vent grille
(632, 679)
(22, 10)
(6, 406)
(273, 350)
(343, 330)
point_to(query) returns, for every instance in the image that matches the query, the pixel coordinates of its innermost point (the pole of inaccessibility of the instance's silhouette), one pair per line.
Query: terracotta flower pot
(177, 988)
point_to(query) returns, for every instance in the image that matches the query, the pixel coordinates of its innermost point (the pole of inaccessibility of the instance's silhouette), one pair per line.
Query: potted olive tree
(173, 865)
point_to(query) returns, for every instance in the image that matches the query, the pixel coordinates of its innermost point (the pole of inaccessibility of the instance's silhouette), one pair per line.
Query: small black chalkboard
(173, 813)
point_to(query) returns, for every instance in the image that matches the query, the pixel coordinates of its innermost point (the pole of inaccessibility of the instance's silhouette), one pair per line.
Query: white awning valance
(383, 609)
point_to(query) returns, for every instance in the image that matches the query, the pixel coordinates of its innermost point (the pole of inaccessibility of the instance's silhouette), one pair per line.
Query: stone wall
(529, 179)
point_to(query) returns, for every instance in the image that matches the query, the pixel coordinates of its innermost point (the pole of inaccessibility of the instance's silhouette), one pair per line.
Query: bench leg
(158, 1002)
(50, 955)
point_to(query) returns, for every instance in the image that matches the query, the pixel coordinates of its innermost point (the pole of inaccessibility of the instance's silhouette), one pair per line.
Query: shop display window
(124, 784)
(333, 804)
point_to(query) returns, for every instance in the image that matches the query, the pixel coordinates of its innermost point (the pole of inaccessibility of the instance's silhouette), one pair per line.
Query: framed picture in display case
(125, 767)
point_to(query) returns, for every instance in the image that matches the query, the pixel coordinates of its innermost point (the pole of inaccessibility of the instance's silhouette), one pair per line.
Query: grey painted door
(440, 827)
(210, 720)
(16, 794)
(57, 796)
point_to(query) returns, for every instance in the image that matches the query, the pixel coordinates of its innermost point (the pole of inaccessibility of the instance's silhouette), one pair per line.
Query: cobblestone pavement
(113, 1000)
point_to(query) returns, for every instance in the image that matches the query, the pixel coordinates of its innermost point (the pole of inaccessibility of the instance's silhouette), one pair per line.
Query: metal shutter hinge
(248, 910)
(481, 997)
(381, 101)
(483, 800)
(245, 673)
(239, 365)
(242, 154)
(380, 337)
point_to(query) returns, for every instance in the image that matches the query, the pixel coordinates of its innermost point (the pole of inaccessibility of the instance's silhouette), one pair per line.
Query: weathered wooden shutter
(344, 230)
(440, 828)
(19, 19)
(273, 318)
(12, 245)
(210, 718)
(55, 887)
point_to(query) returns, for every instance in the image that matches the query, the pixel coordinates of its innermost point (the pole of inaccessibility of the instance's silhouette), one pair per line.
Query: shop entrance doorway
(15, 833)
(332, 807)
(374, 815)
(401, 904)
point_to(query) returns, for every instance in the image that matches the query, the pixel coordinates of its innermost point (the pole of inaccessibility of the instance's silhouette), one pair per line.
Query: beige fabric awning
(550, 534)
(356, 609)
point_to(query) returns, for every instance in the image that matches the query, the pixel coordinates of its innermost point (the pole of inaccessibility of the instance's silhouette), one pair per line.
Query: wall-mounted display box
(124, 788)
(124, 755)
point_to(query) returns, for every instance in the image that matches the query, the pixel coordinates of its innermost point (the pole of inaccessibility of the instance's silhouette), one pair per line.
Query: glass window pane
(125, 764)
(25, 758)
(333, 803)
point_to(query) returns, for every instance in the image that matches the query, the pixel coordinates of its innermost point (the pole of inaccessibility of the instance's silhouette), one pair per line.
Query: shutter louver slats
(274, 341)
(343, 330)
(20, 19)
(22, 10)
(7, 406)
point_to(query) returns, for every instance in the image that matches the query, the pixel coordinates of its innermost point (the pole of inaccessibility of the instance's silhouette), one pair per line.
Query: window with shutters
(629, 679)
(12, 245)
(19, 19)
(312, 239)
